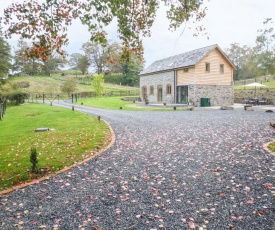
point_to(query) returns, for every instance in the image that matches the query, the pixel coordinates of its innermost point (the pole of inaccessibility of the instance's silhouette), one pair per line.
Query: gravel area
(167, 170)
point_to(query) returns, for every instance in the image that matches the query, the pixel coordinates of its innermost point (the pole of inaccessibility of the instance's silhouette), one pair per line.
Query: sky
(226, 22)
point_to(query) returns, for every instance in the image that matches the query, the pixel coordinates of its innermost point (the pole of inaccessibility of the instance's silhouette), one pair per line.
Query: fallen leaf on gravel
(221, 193)
(218, 169)
(58, 221)
(191, 225)
(96, 228)
(261, 212)
(268, 186)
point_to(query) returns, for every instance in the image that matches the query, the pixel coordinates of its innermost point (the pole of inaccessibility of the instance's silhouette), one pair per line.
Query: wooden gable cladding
(214, 77)
(186, 78)
(199, 75)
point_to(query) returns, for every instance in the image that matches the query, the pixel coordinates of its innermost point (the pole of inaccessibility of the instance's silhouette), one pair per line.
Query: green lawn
(116, 103)
(76, 136)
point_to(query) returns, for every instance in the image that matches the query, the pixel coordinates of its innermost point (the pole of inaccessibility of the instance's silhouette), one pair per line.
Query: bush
(17, 97)
(33, 159)
(120, 79)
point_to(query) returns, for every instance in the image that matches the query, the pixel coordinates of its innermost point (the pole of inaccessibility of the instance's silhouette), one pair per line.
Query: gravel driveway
(167, 170)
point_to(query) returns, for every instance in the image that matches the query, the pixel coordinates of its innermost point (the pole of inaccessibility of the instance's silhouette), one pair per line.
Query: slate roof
(178, 61)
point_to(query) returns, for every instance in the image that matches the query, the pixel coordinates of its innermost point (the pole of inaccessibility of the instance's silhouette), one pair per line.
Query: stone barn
(201, 77)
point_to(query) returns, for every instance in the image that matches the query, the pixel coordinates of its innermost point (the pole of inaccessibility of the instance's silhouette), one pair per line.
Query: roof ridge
(188, 58)
(184, 53)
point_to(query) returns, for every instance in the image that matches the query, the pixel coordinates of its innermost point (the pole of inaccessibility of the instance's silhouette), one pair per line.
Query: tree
(97, 84)
(131, 69)
(30, 66)
(69, 86)
(53, 63)
(5, 56)
(95, 54)
(74, 60)
(83, 64)
(103, 58)
(19, 62)
(265, 46)
(245, 60)
(46, 24)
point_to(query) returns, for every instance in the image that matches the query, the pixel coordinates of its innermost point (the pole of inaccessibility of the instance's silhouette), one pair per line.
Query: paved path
(167, 170)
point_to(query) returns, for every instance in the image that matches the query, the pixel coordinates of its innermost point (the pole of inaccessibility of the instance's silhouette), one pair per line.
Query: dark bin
(205, 102)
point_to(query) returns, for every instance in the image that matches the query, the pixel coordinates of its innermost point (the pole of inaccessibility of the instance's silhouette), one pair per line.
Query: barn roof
(181, 60)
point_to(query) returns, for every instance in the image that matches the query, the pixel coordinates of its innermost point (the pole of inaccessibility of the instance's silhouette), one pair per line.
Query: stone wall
(159, 79)
(219, 95)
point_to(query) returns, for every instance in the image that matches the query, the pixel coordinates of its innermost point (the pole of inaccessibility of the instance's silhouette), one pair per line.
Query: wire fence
(74, 97)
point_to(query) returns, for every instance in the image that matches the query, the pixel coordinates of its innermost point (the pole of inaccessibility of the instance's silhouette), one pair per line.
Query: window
(221, 68)
(151, 90)
(185, 70)
(207, 67)
(168, 89)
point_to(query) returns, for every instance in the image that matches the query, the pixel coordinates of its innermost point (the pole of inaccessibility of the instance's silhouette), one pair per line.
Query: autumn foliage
(46, 24)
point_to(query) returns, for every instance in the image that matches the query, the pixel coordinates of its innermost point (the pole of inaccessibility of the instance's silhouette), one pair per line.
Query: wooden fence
(3, 107)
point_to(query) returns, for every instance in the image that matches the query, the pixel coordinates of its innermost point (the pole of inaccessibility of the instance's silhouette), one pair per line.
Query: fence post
(72, 98)
(5, 105)
(43, 98)
(1, 111)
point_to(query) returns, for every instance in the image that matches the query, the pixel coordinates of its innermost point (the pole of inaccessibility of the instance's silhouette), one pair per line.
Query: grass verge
(116, 103)
(76, 136)
(271, 147)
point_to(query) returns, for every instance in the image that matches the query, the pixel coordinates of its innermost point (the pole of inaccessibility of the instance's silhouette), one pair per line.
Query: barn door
(144, 93)
(159, 93)
(182, 94)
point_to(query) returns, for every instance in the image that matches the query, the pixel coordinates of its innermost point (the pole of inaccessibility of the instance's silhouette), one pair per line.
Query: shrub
(33, 159)
(17, 97)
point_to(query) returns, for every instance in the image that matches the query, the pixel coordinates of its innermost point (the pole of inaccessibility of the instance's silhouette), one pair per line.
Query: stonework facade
(218, 94)
(159, 83)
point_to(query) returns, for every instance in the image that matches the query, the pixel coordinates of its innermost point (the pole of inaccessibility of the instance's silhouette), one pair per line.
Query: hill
(52, 84)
